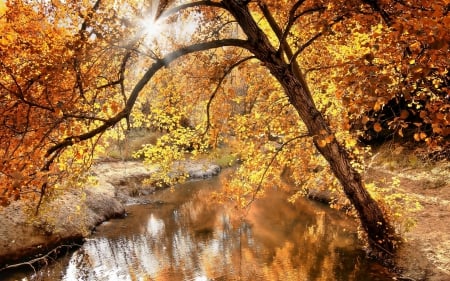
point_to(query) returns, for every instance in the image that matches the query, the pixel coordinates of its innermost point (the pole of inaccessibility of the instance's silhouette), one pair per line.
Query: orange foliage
(54, 87)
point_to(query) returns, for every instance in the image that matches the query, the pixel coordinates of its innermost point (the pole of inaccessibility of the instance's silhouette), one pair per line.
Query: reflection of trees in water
(195, 237)
(306, 252)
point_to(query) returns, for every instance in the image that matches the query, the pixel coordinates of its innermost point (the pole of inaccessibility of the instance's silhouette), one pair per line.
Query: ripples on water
(189, 237)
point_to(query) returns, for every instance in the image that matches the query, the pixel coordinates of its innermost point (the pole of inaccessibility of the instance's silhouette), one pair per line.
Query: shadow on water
(189, 237)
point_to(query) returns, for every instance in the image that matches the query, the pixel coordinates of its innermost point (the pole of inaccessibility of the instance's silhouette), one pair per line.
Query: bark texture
(380, 233)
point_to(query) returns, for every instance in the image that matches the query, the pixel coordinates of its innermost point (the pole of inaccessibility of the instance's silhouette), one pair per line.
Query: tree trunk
(380, 233)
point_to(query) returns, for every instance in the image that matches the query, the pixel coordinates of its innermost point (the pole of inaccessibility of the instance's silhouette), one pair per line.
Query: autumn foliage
(215, 73)
(55, 86)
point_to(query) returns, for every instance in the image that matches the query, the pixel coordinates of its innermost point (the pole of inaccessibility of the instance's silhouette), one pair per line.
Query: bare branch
(274, 156)
(314, 38)
(40, 258)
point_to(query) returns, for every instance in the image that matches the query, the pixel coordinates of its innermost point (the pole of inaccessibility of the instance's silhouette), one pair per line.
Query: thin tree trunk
(380, 233)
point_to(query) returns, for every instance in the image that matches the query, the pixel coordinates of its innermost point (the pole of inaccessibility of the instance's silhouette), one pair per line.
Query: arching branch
(293, 18)
(125, 112)
(174, 10)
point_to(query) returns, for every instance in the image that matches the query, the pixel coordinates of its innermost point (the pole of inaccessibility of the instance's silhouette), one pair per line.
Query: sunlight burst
(157, 29)
(151, 25)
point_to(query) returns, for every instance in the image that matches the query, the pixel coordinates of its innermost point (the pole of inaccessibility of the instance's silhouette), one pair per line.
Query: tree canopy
(280, 82)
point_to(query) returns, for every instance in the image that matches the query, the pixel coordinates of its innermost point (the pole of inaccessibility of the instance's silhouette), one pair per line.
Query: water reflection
(191, 238)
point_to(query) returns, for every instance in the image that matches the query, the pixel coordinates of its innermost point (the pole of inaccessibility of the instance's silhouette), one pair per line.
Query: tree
(62, 92)
(408, 96)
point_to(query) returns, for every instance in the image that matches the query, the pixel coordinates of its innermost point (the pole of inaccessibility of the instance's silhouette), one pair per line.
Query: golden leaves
(6, 39)
(420, 136)
(378, 105)
(62, 86)
(322, 142)
(46, 97)
(2, 7)
(324, 138)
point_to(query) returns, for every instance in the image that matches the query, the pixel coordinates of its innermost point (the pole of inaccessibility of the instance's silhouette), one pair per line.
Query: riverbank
(425, 253)
(72, 216)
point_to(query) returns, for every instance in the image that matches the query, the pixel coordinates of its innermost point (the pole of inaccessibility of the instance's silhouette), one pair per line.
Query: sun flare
(152, 28)
(157, 29)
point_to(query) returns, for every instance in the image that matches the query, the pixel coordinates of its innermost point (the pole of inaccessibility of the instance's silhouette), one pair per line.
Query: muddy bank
(66, 220)
(425, 253)
(73, 215)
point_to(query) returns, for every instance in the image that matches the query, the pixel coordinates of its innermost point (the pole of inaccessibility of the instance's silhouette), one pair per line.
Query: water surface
(189, 237)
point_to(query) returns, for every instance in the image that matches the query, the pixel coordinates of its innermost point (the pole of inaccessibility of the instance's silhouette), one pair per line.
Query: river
(186, 235)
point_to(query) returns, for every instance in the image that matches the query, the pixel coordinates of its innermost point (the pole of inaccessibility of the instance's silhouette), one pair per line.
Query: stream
(185, 235)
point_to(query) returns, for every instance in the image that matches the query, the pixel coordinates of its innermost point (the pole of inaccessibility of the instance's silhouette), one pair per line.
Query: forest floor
(425, 254)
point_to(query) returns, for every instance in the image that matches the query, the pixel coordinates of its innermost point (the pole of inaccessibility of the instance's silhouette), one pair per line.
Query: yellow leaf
(351, 142)
(2, 7)
(377, 106)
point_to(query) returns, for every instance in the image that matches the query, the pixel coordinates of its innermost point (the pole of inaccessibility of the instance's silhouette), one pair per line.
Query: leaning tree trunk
(380, 233)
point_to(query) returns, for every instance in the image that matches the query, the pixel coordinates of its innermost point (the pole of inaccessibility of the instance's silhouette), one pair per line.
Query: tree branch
(213, 95)
(314, 38)
(274, 156)
(174, 10)
(157, 65)
(375, 5)
(39, 259)
(286, 48)
(293, 18)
